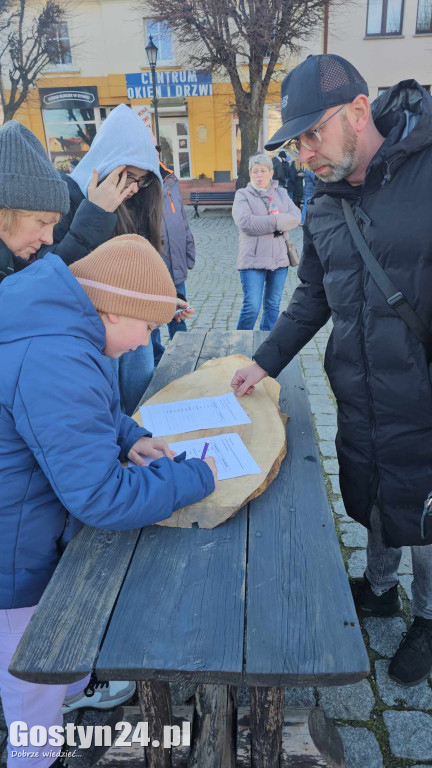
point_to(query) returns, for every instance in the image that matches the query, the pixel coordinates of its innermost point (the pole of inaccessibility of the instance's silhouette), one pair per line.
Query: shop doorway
(175, 146)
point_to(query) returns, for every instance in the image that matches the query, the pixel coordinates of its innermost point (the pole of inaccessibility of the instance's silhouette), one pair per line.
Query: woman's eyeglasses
(311, 140)
(145, 181)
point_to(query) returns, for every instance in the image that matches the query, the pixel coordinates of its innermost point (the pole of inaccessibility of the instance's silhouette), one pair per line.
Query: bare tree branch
(28, 44)
(228, 36)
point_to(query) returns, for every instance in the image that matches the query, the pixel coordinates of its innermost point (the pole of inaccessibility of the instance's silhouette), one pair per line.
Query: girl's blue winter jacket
(62, 434)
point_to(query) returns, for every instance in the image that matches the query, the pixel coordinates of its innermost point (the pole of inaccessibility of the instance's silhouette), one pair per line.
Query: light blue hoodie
(123, 139)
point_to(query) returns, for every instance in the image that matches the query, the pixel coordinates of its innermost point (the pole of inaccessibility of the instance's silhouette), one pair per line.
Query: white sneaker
(106, 695)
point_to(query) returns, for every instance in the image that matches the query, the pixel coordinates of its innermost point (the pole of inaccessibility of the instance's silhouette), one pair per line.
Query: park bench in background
(210, 197)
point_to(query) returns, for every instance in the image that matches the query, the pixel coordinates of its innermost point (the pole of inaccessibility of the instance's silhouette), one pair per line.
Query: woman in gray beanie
(32, 196)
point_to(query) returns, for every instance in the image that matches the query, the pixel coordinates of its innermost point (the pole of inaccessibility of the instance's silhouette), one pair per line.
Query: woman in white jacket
(263, 213)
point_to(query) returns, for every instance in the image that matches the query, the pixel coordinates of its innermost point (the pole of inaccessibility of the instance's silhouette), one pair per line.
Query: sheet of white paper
(229, 452)
(191, 415)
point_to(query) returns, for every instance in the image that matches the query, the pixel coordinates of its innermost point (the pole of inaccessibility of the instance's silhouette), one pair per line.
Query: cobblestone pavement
(382, 724)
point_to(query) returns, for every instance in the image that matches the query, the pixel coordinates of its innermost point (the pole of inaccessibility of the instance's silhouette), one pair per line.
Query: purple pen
(205, 449)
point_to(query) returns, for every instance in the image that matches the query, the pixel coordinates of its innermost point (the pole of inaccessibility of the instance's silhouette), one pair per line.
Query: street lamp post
(152, 52)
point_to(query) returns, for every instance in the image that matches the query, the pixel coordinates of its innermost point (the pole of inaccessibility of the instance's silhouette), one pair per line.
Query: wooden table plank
(180, 613)
(62, 641)
(302, 628)
(223, 343)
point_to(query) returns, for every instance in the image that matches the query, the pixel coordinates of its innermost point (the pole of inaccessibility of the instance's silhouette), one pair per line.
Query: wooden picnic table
(262, 600)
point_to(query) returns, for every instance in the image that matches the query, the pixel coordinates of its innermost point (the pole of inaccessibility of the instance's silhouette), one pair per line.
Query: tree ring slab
(265, 438)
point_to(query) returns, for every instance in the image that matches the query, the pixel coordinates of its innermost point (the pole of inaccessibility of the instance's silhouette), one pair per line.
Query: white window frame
(160, 62)
(59, 66)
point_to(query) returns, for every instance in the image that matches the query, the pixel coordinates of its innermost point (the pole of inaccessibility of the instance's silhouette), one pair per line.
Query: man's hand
(111, 191)
(245, 379)
(212, 464)
(187, 312)
(151, 448)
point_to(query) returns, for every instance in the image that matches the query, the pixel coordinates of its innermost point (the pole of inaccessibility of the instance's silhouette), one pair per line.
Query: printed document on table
(229, 452)
(191, 415)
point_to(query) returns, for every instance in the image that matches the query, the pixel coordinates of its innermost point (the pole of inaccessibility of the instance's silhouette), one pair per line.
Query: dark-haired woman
(115, 189)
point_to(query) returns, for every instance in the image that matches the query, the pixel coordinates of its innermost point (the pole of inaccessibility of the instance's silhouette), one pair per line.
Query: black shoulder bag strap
(395, 298)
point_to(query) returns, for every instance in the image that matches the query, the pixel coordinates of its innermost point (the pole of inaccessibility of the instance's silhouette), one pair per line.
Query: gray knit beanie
(28, 181)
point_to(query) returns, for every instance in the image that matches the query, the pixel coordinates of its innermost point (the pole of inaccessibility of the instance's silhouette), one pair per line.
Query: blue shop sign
(181, 82)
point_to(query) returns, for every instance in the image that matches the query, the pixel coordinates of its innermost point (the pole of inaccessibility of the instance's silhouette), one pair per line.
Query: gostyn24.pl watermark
(89, 736)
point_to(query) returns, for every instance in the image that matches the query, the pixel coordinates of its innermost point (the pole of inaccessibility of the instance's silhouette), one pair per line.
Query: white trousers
(30, 703)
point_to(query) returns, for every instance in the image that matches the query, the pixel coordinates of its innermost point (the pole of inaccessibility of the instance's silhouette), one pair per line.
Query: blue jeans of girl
(134, 371)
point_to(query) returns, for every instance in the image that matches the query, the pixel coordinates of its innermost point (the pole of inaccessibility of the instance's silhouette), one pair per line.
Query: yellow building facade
(199, 133)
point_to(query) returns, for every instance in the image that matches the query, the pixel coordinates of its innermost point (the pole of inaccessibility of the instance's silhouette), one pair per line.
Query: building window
(384, 17)
(69, 133)
(162, 38)
(424, 17)
(61, 47)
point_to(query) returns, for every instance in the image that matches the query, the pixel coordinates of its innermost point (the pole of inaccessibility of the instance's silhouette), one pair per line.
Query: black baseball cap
(312, 87)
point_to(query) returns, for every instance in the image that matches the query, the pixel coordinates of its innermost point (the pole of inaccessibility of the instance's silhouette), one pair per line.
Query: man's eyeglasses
(311, 140)
(145, 181)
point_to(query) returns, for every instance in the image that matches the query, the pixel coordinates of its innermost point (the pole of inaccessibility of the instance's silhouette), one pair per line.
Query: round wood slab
(265, 438)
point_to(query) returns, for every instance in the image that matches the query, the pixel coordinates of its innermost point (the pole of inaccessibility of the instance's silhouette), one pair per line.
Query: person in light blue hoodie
(63, 436)
(115, 189)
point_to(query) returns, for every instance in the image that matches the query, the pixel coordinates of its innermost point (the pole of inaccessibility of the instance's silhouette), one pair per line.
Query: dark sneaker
(412, 662)
(369, 604)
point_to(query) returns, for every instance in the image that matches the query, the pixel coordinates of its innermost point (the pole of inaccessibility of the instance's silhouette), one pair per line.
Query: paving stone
(348, 702)
(357, 563)
(326, 433)
(410, 734)
(339, 508)
(405, 565)
(317, 389)
(417, 697)
(326, 419)
(354, 535)
(321, 404)
(385, 634)
(331, 466)
(327, 448)
(334, 480)
(300, 697)
(406, 582)
(361, 748)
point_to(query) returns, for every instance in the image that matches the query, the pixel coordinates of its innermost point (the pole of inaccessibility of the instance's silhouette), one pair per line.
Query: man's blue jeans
(173, 327)
(134, 372)
(254, 283)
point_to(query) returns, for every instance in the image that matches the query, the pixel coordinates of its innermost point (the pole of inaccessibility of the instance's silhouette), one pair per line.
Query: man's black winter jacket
(378, 370)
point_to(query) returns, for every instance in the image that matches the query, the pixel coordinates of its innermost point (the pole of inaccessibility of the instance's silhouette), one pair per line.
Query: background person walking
(263, 213)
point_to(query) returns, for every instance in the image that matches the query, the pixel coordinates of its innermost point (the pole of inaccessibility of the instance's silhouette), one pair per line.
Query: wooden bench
(263, 599)
(208, 197)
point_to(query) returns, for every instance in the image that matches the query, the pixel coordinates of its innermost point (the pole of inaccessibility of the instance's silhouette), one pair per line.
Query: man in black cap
(367, 263)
